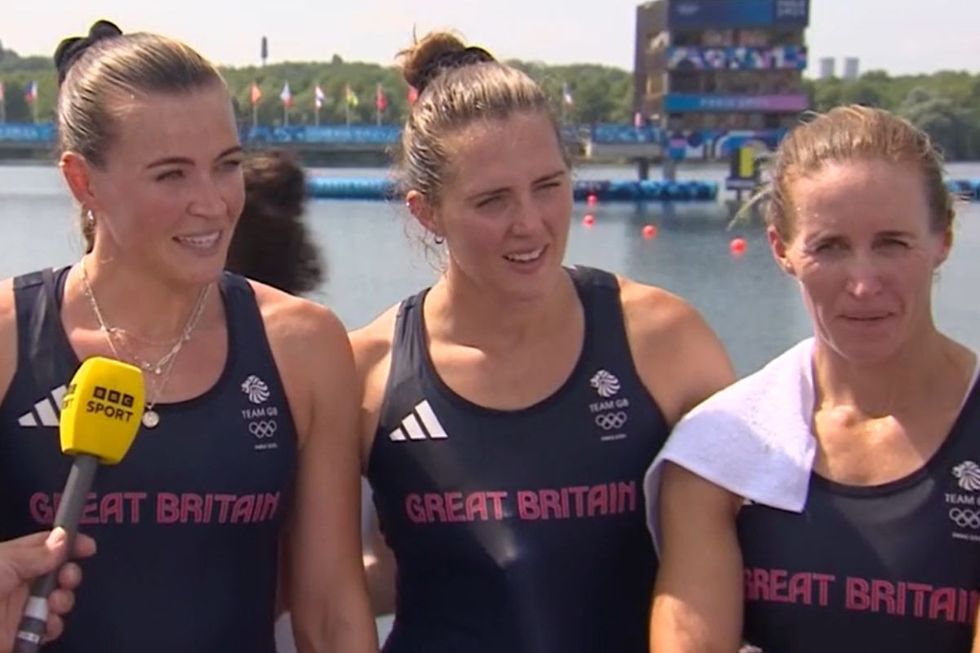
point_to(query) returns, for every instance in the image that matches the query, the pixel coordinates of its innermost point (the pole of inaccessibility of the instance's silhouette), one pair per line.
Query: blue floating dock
(968, 189)
(605, 190)
(362, 188)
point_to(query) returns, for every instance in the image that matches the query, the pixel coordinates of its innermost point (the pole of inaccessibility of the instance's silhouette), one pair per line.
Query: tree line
(945, 104)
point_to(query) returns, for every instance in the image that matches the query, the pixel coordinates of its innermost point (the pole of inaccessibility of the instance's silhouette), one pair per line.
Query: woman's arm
(324, 585)
(697, 606)
(372, 358)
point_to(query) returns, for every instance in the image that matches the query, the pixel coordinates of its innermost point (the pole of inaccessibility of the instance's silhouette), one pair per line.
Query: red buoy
(591, 199)
(737, 246)
(588, 220)
(650, 232)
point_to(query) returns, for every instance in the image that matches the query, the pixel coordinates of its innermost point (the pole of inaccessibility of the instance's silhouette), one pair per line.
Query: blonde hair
(850, 133)
(114, 68)
(457, 85)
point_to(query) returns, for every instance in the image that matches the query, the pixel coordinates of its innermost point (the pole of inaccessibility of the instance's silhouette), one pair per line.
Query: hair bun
(70, 49)
(435, 53)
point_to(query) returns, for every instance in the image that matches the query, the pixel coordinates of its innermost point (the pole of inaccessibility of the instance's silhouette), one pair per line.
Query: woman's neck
(931, 368)
(458, 311)
(130, 298)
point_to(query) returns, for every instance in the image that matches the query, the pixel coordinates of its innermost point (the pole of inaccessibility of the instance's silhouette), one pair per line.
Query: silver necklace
(162, 368)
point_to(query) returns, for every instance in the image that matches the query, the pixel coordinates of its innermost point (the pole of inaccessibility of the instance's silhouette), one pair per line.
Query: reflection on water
(374, 262)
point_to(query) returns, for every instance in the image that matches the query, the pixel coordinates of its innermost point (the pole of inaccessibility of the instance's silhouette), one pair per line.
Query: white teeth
(202, 241)
(525, 257)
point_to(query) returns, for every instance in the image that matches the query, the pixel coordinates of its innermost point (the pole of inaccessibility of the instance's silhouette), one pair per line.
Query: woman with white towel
(829, 501)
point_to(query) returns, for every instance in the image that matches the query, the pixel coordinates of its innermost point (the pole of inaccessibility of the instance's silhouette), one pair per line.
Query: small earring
(89, 218)
(440, 240)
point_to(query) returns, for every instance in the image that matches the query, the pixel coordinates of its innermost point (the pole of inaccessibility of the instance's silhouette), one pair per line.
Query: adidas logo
(46, 411)
(421, 424)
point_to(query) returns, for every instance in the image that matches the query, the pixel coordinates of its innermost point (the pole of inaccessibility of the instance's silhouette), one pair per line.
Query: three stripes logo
(421, 424)
(46, 411)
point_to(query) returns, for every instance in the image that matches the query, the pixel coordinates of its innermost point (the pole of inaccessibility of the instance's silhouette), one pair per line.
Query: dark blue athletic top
(188, 524)
(895, 567)
(519, 531)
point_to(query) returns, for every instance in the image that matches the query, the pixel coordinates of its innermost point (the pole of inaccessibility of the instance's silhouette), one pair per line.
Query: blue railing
(325, 134)
(619, 134)
(42, 133)
(606, 133)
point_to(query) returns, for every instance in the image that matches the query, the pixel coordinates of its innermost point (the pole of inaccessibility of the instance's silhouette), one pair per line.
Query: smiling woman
(511, 409)
(250, 391)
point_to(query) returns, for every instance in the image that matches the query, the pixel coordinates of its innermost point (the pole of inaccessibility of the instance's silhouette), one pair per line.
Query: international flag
(319, 97)
(286, 96)
(1, 92)
(413, 95)
(350, 97)
(566, 94)
(380, 101)
(256, 93)
(31, 93)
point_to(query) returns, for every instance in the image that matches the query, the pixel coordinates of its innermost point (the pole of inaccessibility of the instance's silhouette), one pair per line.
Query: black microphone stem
(33, 623)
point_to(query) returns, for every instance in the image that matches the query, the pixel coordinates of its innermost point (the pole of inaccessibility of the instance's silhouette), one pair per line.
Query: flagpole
(347, 110)
(316, 113)
(255, 114)
(285, 115)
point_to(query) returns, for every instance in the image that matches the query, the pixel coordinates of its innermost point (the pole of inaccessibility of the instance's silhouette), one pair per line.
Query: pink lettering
(919, 591)
(598, 501)
(433, 507)
(414, 510)
(242, 512)
(455, 507)
(225, 502)
(578, 492)
(111, 508)
(943, 602)
(762, 584)
(778, 583)
(824, 581)
(270, 504)
(498, 503)
(168, 508)
(90, 514)
(135, 499)
(41, 509)
(857, 593)
(800, 588)
(882, 593)
(627, 491)
(191, 508)
(527, 505)
(476, 506)
(550, 502)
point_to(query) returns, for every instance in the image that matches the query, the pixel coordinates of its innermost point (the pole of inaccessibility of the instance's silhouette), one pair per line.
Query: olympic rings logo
(965, 518)
(609, 421)
(263, 428)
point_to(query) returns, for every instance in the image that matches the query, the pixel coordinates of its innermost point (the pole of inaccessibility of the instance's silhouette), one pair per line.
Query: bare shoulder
(677, 354)
(372, 342)
(8, 335)
(292, 322)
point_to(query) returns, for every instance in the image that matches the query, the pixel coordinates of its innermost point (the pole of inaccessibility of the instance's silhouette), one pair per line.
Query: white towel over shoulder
(752, 438)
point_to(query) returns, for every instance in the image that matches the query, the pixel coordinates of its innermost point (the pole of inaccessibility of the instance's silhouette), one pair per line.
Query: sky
(900, 36)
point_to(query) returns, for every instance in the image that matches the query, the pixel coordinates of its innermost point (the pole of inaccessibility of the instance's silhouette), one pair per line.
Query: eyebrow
(496, 191)
(182, 160)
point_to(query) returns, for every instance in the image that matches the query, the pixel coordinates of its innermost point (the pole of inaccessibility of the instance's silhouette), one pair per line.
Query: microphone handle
(30, 632)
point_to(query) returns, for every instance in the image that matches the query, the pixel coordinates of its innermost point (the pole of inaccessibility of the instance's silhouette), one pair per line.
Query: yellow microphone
(100, 415)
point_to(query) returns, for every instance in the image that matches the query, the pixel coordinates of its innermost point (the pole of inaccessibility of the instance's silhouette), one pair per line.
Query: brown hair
(271, 243)
(457, 85)
(848, 133)
(107, 68)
